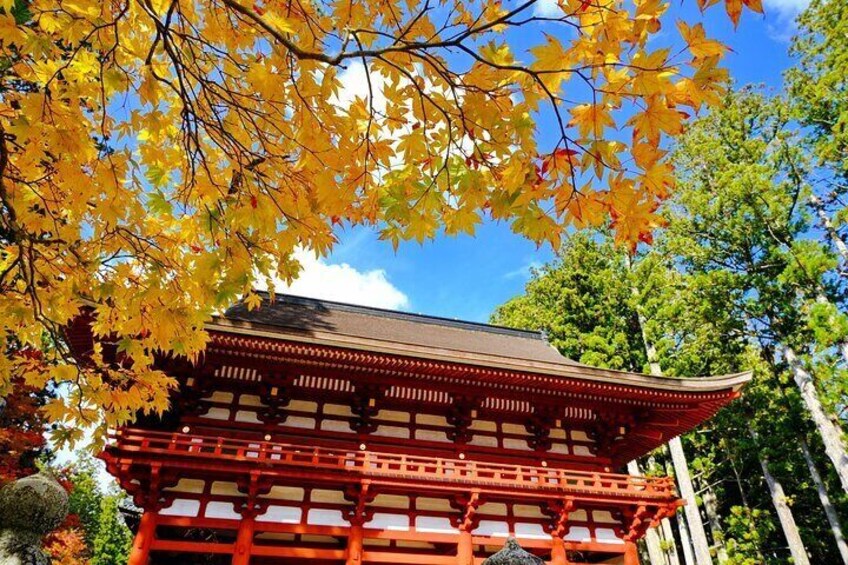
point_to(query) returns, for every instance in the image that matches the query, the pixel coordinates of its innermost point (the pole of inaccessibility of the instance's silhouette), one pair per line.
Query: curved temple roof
(334, 324)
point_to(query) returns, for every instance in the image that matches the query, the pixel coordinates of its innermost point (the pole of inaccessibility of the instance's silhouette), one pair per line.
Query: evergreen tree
(582, 303)
(819, 82)
(113, 540)
(85, 498)
(739, 278)
(739, 223)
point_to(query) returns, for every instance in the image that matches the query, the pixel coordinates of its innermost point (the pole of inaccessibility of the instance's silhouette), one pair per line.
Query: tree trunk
(829, 510)
(828, 226)
(685, 538)
(666, 532)
(831, 433)
(687, 492)
(681, 471)
(711, 508)
(668, 536)
(784, 513)
(652, 538)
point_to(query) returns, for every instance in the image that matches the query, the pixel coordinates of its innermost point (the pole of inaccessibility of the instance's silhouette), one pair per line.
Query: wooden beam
(631, 554)
(244, 541)
(558, 555)
(353, 554)
(199, 547)
(144, 538)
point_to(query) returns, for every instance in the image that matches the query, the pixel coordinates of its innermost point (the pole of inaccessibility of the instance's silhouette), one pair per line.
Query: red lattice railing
(271, 456)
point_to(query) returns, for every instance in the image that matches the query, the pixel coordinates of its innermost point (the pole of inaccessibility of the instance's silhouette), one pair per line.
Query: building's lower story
(177, 543)
(209, 501)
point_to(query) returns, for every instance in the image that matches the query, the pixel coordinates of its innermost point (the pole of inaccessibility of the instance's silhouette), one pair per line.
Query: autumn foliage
(157, 156)
(66, 547)
(22, 428)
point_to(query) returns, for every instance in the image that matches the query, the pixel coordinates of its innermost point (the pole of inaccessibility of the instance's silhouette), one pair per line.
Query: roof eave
(732, 382)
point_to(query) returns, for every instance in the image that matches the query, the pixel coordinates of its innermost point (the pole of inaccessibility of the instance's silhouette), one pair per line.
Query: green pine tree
(113, 540)
(85, 499)
(581, 303)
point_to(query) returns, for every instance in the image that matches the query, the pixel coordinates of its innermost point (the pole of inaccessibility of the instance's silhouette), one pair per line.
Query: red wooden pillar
(140, 551)
(631, 554)
(359, 515)
(559, 511)
(244, 539)
(465, 549)
(558, 555)
(466, 523)
(353, 555)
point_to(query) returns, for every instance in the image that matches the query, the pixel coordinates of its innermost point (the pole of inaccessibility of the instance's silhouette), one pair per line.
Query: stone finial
(30, 508)
(513, 554)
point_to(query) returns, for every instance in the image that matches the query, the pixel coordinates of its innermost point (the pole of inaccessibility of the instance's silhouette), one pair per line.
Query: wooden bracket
(467, 504)
(365, 405)
(360, 495)
(558, 512)
(539, 426)
(253, 486)
(461, 415)
(275, 391)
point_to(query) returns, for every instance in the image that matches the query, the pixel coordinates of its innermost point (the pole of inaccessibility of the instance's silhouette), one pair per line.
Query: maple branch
(335, 60)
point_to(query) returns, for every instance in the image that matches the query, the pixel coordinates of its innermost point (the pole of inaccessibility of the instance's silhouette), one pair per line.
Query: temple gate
(317, 432)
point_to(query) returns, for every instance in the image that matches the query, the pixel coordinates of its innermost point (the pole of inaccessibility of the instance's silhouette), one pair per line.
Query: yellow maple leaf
(586, 209)
(699, 45)
(734, 8)
(10, 33)
(278, 22)
(633, 215)
(651, 72)
(253, 301)
(591, 119)
(551, 63)
(656, 119)
(658, 179)
(646, 154)
(649, 12)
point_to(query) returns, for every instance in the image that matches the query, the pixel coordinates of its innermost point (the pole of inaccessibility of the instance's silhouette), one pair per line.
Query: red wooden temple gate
(316, 432)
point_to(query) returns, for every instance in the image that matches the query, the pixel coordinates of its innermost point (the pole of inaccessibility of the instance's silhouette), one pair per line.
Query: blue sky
(468, 277)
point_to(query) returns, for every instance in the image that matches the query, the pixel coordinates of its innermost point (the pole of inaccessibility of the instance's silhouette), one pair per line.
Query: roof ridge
(410, 316)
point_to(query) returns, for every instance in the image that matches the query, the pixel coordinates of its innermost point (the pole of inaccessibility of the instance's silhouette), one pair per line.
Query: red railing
(369, 464)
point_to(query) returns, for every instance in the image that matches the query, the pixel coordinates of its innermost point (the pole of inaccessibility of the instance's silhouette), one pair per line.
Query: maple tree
(22, 429)
(66, 547)
(157, 156)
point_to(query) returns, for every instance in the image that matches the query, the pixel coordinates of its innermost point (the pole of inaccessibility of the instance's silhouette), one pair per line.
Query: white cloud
(343, 283)
(354, 84)
(547, 9)
(781, 24)
(786, 8)
(524, 271)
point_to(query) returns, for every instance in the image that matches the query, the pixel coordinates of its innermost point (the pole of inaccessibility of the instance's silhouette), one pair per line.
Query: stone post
(30, 508)
(513, 554)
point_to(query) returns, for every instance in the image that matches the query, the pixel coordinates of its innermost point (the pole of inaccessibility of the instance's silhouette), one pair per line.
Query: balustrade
(370, 464)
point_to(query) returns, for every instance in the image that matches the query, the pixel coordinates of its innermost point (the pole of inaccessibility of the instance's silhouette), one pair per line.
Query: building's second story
(337, 376)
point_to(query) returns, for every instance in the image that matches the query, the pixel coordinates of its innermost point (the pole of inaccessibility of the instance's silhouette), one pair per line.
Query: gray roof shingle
(307, 316)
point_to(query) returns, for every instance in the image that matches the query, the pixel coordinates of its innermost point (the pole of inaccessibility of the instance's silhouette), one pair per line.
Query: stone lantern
(30, 508)
(513, 554)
